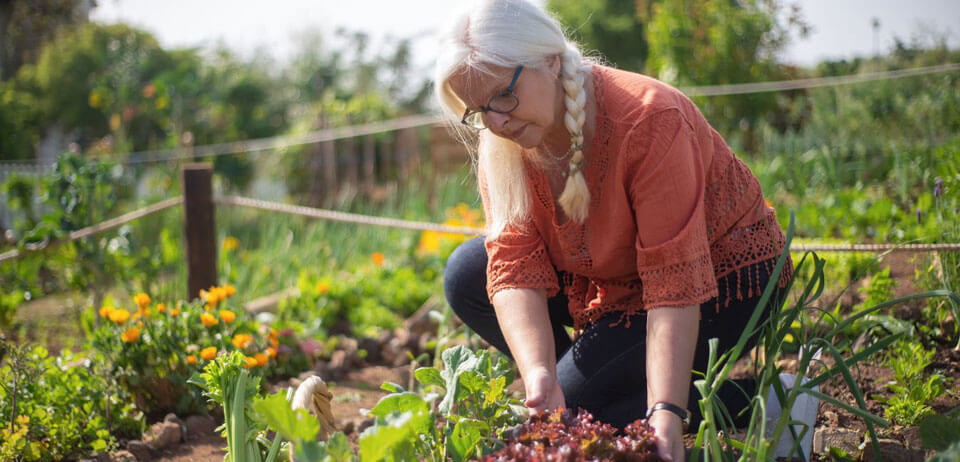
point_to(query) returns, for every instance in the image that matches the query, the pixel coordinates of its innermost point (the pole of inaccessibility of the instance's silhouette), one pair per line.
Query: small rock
(890, 450)
(200, 425)
(123, 456)
(338, 363)
(163, 435)
(171, 417)
(841, 438)
(349, 345)
(140, 450)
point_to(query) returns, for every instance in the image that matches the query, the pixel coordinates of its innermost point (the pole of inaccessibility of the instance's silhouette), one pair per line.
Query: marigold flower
(208, 320)
(242, 340)
(769, 204)
(105, 311)
(130, 335)
(175, 312)
(161, 308)
(229, 290)
(322, 287)
(142, 300)
(261, 359)
(377, 258)
(227, 316)
(208, 353)
(119, 316)
(249, 362)
(191, 359)
(272, 352)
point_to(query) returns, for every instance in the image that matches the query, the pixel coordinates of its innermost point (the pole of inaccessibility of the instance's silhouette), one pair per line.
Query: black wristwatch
(665, 406)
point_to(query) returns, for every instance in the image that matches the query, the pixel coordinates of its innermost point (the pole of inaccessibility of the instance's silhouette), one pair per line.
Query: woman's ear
(554, 65)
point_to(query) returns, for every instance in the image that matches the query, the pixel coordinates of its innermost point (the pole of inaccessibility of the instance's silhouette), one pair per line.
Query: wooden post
(198, 228)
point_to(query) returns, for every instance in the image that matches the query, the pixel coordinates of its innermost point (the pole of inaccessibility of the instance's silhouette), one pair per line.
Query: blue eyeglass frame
(487, 108)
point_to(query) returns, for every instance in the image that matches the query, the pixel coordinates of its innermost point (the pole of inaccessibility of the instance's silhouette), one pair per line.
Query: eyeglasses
(501, 103)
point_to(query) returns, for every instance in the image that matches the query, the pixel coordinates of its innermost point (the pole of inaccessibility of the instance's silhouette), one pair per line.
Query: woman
(612, 206)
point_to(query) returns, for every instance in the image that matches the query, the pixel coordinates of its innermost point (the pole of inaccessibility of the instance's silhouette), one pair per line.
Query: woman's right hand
(542, 390)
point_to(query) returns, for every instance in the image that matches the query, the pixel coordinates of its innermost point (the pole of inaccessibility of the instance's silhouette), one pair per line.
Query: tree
(26, 24)
(701, 42)
(614, 28)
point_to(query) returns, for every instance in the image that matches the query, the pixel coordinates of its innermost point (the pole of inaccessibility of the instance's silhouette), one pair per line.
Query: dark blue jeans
(604, 369)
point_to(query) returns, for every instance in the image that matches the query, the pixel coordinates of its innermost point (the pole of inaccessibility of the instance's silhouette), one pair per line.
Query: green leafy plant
(54, 408)
(227, 382)
(912, 391)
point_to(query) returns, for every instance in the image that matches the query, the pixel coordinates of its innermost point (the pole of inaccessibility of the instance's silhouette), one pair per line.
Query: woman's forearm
(525, 322)
(671, 343)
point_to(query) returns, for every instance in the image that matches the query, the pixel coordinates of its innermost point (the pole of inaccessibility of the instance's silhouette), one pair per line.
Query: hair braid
(575, 199)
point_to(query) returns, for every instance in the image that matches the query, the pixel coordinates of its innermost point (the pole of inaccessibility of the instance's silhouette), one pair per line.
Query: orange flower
(377, 258)
(161, 308)
(242, 340)
(105, 311)
(119, 316)
(249, 362)
(227, 316)
(208, 353)
(191, 359)
(272, 352)
(175, 312)
(142, 300)
(208, 320)
(261, 359)
(322, 287)
(130, 335)
(769, 204)
(229, 290)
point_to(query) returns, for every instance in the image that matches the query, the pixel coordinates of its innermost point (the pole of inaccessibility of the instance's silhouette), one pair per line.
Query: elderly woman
(612, 206)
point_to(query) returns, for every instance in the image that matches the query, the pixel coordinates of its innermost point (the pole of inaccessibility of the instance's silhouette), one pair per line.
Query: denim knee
(465, 275)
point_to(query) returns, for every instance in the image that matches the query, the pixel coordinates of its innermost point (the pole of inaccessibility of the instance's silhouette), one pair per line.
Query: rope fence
(94, 229)
(397, 223)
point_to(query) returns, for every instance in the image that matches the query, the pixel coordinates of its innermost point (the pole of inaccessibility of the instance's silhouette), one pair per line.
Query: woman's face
(540, 108)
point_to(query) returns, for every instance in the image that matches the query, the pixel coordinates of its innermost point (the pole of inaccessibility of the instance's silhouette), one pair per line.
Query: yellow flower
(208, 320)
(229, 290)
(272, 352)
(208, 353)
(130, 335)
(788, 338)
(230, 243)
(161, 308)
(227, 316)
(429, 242)
(249, 362)
(261, 359)
(119, 316)
(322, 287)
(175, 312)
(142, 300)
(105, 311)
(191, 359)
(242, 340)
(377, 258)
(94, 99)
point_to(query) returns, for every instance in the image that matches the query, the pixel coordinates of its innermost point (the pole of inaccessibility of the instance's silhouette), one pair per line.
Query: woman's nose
(495, 121)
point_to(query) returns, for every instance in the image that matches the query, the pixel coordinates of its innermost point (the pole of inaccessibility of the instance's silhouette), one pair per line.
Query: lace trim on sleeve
(531, 271)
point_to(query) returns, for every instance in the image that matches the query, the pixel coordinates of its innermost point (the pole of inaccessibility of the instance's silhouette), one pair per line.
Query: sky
(841, 28)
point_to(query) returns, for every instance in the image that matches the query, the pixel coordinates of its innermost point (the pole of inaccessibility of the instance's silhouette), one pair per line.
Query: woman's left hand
(669, 430)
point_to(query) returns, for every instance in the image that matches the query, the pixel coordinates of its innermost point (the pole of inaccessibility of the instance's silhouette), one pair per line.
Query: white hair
(509, 33)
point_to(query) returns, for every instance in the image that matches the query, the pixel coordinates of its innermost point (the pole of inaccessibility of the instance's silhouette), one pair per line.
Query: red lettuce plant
(562, 435)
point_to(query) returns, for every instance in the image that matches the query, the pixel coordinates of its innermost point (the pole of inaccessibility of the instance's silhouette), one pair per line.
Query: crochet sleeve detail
(667, 194)
(518, 259)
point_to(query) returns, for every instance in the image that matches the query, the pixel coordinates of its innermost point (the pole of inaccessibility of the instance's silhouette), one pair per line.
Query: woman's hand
(669, 430)
(542, 390)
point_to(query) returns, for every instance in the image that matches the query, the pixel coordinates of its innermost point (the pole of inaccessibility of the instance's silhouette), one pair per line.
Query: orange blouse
(672, 211)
